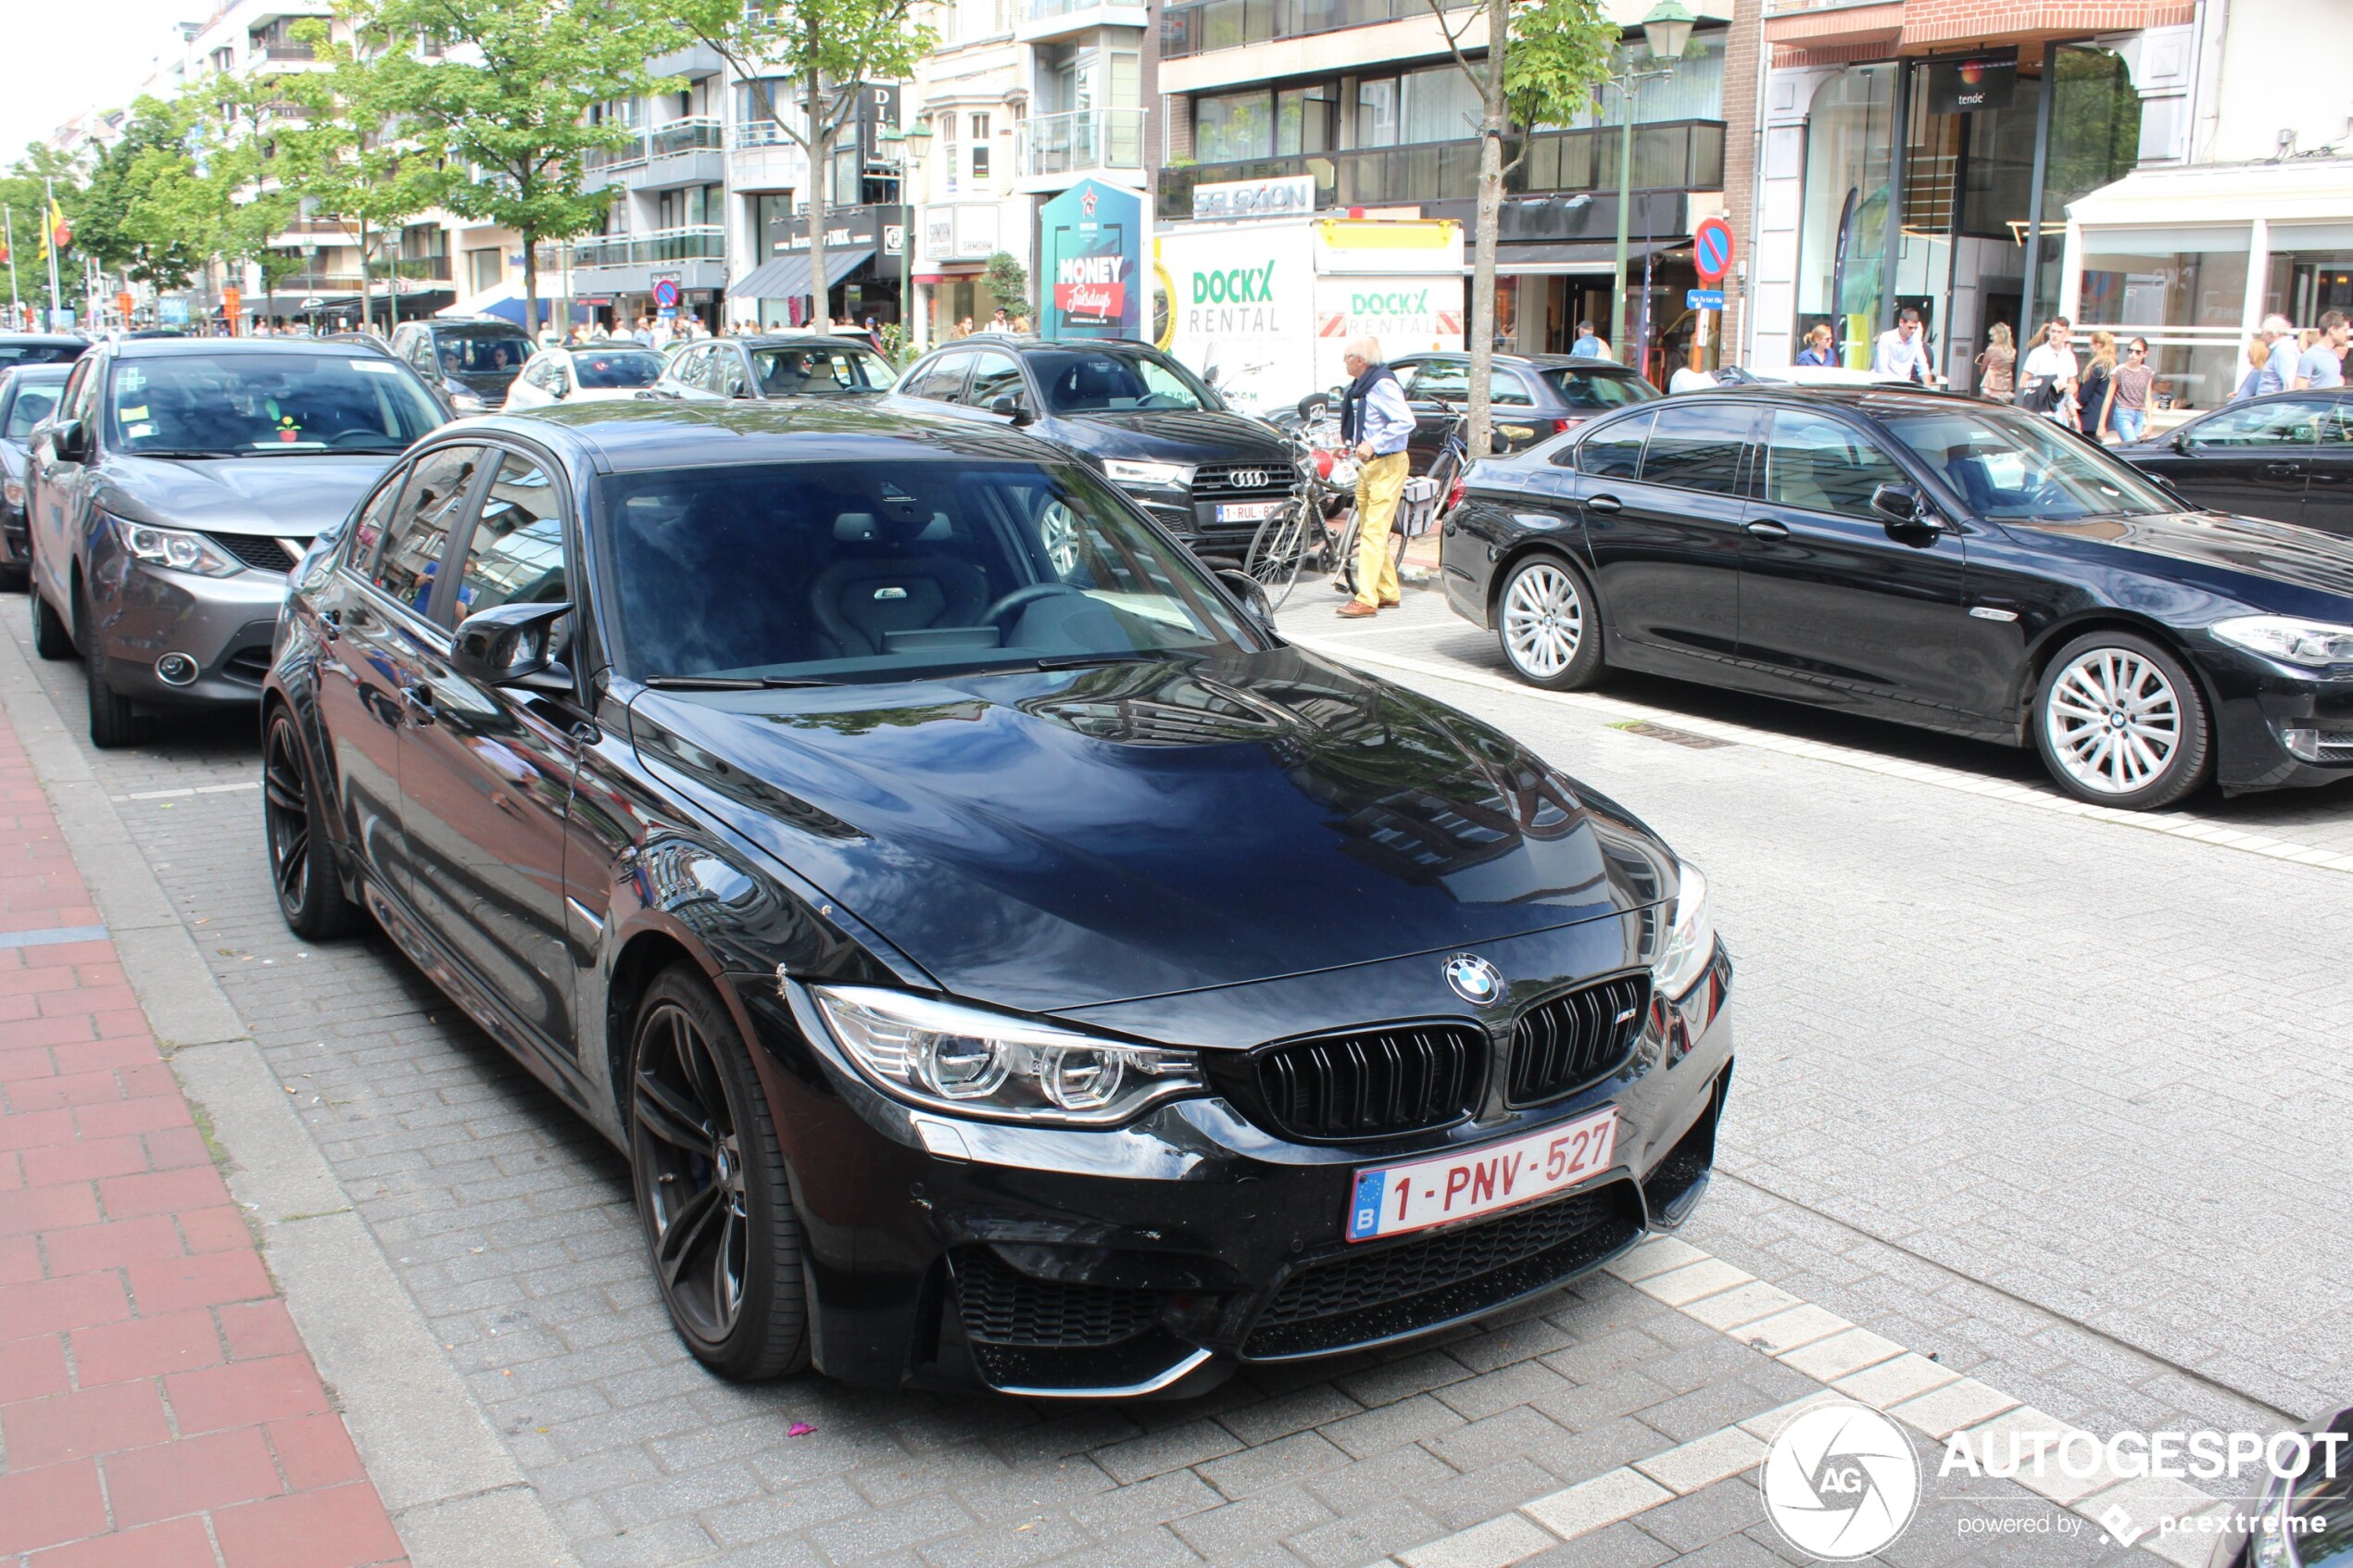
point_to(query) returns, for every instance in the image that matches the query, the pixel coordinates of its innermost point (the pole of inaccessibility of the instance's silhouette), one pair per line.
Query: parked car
(2302, 1520)
(794, 365)
(1002, 960)
(1532, 396)
(40, 348)
(470, 360)
(174, 488)
(2287, 456)
(594, 373)
(1207, 474)
(1937, 561)
(28, 393)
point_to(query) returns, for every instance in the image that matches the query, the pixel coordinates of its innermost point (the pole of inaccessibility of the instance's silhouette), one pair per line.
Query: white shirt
(1686, 379)
(1898, 358)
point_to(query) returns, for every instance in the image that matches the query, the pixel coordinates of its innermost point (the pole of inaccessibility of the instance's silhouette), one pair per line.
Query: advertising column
(1090, 252)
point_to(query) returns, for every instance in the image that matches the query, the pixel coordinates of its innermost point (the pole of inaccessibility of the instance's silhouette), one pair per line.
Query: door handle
(2282, 470)
(1766, 528)
(1603, 504)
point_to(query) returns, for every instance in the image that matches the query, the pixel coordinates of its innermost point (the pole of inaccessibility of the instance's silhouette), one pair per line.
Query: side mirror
(2179, 441)
(511, 644)
(1012, 408)
(1898, 503)
(1252, 594)
(71, 441)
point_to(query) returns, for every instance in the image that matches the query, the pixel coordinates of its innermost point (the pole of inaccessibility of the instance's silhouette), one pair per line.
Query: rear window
(13, 353)
(31, 405)
(618, 368)
(1579, 390)
(481, 351)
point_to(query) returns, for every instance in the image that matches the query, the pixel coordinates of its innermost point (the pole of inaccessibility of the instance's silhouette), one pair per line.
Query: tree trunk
(1492, 123)
(820, 158)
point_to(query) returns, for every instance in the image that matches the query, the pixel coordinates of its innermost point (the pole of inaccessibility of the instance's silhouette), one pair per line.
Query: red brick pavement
(158, 1408)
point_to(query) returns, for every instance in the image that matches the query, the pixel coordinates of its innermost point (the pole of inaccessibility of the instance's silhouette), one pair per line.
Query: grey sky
(66, 55)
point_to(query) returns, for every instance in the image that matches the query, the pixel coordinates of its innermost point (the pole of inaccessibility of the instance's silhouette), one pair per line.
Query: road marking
(53, 935)
(183, 794)
(1860, 1367)
(1620, 713)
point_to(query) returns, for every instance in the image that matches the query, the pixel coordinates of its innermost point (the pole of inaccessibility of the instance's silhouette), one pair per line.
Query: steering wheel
(1022, 597)
(342, 436)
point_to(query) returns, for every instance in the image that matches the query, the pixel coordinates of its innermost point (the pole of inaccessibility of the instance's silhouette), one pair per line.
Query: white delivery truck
(1268, 303)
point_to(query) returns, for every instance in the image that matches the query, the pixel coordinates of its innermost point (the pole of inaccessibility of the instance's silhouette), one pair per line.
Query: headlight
(972, 1062)
(1174, 475)
(13, 491)
(2287, 639)
(179, 550)
(1690, 936)
(466, 402)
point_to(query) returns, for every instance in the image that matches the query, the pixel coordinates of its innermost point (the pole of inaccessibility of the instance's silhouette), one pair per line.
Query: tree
(1008, 282)
(497, 96)
(829, 50)
(1540, 68)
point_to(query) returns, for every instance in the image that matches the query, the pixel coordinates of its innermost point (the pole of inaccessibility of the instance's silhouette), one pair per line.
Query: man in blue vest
(1374, 420)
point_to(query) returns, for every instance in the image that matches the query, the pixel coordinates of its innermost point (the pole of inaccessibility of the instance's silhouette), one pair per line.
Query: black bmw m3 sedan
(1005, 963)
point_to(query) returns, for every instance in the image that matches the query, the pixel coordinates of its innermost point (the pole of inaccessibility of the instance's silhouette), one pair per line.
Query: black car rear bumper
(1157, 1256)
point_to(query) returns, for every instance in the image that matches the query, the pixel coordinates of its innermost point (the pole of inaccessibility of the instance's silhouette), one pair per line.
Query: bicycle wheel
(1344, 580)
(1277, 551)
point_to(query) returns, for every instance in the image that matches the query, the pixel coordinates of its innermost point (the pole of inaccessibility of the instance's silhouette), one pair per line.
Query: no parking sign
(666, 293)
(1712, 249)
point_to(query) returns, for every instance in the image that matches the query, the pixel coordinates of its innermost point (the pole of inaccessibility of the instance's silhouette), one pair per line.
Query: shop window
(2163, 285)
(1843, 240)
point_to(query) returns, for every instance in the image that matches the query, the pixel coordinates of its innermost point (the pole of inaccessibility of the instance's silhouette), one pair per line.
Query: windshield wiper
(1081, 661)
(732, 683)
(176, 452)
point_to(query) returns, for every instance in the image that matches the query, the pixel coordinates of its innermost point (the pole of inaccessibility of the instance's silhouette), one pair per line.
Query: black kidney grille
(1003, 1306)
(1366, 1085)
(1362, 1297)
(256, 550)
(1564, 1043)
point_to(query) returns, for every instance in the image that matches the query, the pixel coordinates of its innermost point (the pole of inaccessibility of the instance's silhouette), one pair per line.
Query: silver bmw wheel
(1543, 621)
(2113, 720)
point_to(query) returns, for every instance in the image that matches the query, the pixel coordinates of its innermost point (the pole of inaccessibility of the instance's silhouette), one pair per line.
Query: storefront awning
(2303, 192)
(1586, 258)
(787, 276)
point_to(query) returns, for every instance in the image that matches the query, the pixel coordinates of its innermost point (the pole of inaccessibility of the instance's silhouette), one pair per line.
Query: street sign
(666, 293)
(1704, 299)
(1712, 249)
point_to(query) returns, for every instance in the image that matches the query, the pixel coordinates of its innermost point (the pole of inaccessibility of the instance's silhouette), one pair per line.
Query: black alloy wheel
(302, 866)
(112, 722)
(711, 1191)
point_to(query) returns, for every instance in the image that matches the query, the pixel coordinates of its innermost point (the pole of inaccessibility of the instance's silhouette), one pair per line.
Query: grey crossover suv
(175, 486)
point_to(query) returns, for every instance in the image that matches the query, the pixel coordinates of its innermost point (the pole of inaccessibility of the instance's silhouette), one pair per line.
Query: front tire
(710, 1176)
(302, 865)
(52, 639)
(112, 722)
(2120, 722)
(1548, 626)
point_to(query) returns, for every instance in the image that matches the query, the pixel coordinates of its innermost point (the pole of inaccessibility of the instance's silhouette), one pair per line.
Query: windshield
(788, 373)
(617, 368)
(869, 570)
(2012, 467)
(1581, 391)
(32, 405)
(1096, 382)
(481, 351)
(12, 353)
(237, 403)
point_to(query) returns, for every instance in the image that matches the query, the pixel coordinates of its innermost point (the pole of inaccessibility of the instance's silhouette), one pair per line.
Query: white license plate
(1397, 1199)
(1247, 512)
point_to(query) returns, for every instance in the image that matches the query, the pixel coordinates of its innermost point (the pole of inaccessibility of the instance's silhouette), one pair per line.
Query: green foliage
(1008, 282)
(1558, 51)
(350, 154)
(182, 185)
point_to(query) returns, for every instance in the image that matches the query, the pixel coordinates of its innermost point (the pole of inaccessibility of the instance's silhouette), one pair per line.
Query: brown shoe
(1390, 604)
(1356, 609)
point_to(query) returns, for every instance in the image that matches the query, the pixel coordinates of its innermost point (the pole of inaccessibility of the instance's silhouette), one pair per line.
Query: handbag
(2037, 395)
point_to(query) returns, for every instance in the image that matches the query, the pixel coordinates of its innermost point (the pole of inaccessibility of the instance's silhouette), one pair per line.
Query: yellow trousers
(1379, 484)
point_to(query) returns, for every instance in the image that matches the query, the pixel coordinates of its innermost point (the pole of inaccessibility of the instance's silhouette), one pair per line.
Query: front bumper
(143, 612)
(1155, 1257)
(1196, 522)
(2261, 707)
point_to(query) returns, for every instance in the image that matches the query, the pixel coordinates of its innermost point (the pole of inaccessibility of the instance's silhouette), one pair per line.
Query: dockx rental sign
(1091, 250)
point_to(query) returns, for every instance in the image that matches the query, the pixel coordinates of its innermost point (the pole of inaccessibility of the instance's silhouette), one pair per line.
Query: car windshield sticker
(140, 432)
(138, 413)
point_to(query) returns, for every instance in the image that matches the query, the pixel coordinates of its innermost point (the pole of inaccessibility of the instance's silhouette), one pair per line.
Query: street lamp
(1668, 31)
(916, 140)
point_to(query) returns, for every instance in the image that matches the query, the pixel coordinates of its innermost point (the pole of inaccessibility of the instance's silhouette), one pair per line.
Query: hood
(2277, 565)
(1046, 840)
(487, 384)
(1174, 435)
(283, 498)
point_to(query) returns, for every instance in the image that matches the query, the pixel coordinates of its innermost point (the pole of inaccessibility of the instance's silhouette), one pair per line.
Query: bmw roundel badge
(1474, 980)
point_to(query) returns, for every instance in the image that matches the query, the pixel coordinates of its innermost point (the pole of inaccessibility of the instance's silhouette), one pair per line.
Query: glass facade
(1843, 233)
(2184, 290)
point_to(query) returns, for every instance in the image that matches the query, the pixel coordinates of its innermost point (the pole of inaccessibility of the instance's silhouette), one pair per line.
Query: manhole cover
(1672, 737)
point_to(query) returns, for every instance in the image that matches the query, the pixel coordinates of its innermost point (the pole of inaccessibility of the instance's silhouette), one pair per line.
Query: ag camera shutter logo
(1841, 1482)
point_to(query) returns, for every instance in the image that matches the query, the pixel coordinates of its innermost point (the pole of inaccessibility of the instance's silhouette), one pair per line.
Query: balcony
(1676, 156)
(1051, 151)
(701, 133)
(1040, 21)
(677, 152)
(701, 241)
(281, 49)
(1206, 25)
(693, 61)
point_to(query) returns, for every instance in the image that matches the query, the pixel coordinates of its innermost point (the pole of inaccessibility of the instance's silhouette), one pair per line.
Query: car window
(79, 401)
(1615, 451)
(838, 569)
(293, 401)
(482, 351)
(996, 375)
(1699, 448)
(800, 370)
(15, 354)
(1081, 381)
(1505, 390)
(375, 517)
(726, 375)
(430, 507)
(2285, 421)
(1824, 465)
(2012, 466)
(30, 406)
(1582, 389)
(1439, 380)
(942, 381)
(517, 553)
(2337, 428)
(611, 368)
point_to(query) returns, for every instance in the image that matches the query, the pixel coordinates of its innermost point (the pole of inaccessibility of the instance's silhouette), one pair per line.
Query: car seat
(859, 601)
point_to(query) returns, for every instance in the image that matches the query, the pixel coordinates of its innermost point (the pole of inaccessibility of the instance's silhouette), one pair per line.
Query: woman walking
(2099, 383)
(2129, 400)
(1997, 367)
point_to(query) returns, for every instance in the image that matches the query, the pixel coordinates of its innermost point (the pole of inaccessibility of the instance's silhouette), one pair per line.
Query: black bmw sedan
(1932, 560)
(2287, 456)
(1004, 962)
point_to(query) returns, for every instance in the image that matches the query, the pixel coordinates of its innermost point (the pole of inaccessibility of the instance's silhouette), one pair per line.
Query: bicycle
(1281, 545)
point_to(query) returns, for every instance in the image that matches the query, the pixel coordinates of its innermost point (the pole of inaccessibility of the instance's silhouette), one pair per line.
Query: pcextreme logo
(1237, 285)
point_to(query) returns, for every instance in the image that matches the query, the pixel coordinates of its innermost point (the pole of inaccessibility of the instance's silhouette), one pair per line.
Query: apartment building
(2153, 168)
